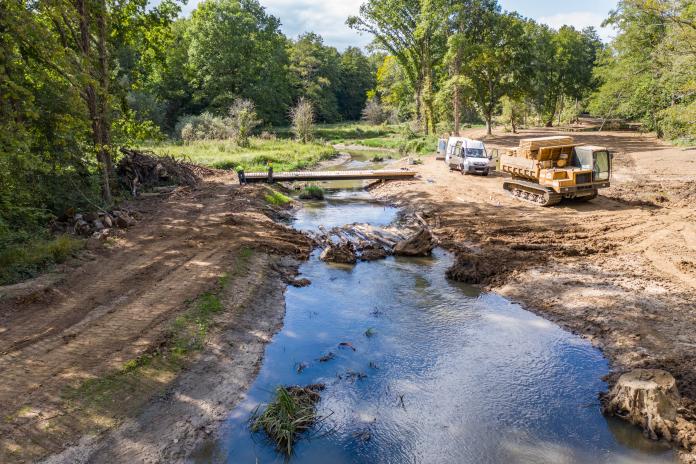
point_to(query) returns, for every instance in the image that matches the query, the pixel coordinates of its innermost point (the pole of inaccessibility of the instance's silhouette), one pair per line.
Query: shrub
(312, 192)
(242, 120)
(302, 117)
(203, 127)
(374, 113)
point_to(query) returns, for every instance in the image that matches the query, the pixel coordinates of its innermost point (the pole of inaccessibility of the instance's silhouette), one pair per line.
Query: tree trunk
(489, 123)
(456, 103)
(96, 97)
(103, 107)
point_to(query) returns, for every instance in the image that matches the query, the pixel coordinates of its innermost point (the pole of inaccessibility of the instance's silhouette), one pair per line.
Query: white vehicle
(467, 156)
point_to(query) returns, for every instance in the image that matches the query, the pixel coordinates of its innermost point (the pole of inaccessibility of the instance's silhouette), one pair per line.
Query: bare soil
(620, 270)
(119, 304)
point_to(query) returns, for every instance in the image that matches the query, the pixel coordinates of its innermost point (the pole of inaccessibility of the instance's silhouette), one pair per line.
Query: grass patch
(312, 192)
(26, 260)
(277, 198)
(283, 155)
(292, 412)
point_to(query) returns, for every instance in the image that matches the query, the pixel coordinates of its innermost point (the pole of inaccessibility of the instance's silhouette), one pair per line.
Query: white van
(467, 156)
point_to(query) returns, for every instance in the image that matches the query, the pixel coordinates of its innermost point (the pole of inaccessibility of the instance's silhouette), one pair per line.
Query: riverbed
(418, 368)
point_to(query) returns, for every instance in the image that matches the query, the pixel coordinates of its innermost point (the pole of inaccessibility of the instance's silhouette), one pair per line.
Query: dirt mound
(420, 244)
(342, 253)
(472, 268)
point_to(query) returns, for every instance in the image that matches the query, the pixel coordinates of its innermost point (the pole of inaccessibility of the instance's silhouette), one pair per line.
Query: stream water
(440, 372)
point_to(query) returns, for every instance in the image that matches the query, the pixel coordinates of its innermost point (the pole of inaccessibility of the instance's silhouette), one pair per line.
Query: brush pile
(140, 170)
(292, 412)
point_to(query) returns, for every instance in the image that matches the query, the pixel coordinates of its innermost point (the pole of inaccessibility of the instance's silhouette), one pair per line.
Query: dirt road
(620, 270)
(103, 316)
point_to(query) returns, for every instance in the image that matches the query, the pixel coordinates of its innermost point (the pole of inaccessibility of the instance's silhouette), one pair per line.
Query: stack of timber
(529, 148)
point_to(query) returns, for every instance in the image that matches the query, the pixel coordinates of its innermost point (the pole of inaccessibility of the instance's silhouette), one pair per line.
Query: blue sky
(327, 17)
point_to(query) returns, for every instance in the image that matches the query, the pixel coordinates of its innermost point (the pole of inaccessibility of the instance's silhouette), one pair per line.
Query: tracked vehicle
(548, 169)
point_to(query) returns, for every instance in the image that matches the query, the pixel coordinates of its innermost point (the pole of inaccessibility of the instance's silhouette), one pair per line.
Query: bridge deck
(382, 174)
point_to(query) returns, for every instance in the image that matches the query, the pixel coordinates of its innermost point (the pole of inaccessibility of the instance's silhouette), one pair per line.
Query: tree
(496, 64)
(237, 50)
(357, 77)
(411, 31)
(467, 22)
(315, 70)
(647, 73)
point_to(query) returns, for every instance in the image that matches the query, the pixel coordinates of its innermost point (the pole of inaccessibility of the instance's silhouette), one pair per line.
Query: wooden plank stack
(529, 148)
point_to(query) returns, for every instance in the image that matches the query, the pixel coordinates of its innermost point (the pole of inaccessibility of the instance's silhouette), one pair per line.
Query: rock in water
(647, 398)
(343, 253)
(373, 253)
(421, 244)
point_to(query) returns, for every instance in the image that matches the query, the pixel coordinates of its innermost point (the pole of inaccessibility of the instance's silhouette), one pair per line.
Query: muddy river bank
(419, 368)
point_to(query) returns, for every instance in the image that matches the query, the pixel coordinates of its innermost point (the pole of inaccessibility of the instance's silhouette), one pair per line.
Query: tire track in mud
(119, 306)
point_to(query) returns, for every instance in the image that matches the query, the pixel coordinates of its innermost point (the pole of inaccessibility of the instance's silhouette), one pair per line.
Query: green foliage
(648, 73)
(276, 198)
(315, 71)
(312, 192)
(235, 49)
(26, 259)
(356, 78)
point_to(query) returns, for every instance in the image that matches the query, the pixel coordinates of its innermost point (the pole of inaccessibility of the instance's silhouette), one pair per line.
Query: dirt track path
(118, 306)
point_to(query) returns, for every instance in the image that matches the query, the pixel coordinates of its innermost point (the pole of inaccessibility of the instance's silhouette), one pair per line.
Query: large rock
(648, 398)
(420, 244)
(343, 253)
(373, 253)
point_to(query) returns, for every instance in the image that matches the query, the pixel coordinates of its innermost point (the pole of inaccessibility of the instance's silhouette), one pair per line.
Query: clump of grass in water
(277, 198)
(312, 192)
(292, 412)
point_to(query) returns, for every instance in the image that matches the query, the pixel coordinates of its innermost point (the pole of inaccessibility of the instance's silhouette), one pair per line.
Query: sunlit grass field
(282, 154)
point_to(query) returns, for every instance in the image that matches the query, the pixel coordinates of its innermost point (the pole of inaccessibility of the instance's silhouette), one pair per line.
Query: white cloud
(325, 17)
(579, 20)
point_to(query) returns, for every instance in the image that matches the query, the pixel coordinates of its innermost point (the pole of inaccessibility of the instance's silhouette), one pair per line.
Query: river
(440, 372)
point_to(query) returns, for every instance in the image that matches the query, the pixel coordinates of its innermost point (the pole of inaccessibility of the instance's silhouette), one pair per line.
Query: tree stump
(648, 398)
(420, 244)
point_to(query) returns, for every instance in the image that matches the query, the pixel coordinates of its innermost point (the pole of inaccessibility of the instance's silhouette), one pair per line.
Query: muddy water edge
(418, 368)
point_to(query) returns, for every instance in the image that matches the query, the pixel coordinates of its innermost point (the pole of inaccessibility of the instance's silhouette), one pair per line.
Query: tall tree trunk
(103, 109)
(456, 101)
(96, 96)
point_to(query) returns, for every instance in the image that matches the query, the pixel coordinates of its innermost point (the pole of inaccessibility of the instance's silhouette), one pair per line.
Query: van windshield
(474, 152)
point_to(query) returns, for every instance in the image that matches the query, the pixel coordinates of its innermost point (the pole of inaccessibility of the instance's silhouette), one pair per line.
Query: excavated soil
(620, 270)
(120, 302)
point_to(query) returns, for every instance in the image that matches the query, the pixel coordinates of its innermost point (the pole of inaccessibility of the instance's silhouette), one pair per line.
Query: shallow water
(452, 375)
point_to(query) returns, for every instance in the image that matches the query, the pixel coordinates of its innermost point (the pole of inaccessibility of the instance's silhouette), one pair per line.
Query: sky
(327, 17)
